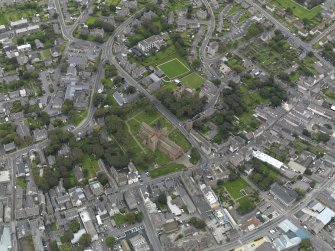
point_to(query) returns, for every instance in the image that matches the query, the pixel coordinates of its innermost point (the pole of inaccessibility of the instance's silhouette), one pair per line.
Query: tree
(162, 199)
(98, 99)
(77, 154)
(196, 63)
(110, 241)
(216, 82)
(131, 218)
(195, 156)
(112, 8)
(117, 80)
(102, 177)
(220, 182)
(66, 237)
(322, 137)
(67, 107)
(85, 240)
(289, 11)
(306, 132)
(74, 226)
(197, 223)
(306, 245)
(130, 89)
(53, 246)
(139, 217)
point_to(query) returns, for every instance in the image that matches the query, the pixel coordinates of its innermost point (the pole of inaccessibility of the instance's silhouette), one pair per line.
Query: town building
(88, 224)
(284, 195)
(40, 134)
(157, 138)
(150, 43)
(139, 243)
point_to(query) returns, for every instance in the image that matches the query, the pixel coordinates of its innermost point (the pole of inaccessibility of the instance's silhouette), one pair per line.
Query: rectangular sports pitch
(193, 80)
(173, 68)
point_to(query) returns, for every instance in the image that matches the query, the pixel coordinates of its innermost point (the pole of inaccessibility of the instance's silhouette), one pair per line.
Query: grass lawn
(90, 166)
(147, 117)
(177, 137)
(90, 20)
(193, 80)
(27, 243)
(120, 219)
(19, 10)
(78, 117)
(161, 158)
(113, 2)
(164, 123)
(170, 168)
(246, 205)
(234, 187)
(329, 93)
(298, 10)
(300, 146)
(46, 53)
(173, 68)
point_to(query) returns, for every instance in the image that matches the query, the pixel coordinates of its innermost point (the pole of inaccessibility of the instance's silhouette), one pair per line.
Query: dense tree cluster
(233, 103)
(328, 52)
(98, 23)
(184, 106)
(110, 70)
(195, 156)
(149, 28)
(179, 43)
(254, 30)
(46, 35)
(197, 223)
(263, 175)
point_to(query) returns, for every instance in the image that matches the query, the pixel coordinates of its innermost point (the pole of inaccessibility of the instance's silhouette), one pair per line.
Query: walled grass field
(173, 68)
(193, 80)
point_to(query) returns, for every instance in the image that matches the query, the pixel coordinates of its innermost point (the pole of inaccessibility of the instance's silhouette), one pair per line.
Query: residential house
(213, 48)
(9, 147)
(40, 134)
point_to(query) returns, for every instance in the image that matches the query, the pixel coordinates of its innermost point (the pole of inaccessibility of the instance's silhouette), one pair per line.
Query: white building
(210, 196)
(155, 41)
(19, 23)
(24, 47)
(267, 159)
(173, 208)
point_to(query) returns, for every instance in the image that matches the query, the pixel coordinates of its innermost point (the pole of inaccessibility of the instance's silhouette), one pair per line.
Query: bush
(110, 241)
(197, 223)
(74, 226)
(195, 156)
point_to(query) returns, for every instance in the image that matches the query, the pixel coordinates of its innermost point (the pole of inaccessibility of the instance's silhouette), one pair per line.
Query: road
(322, 34)
(202, 51)
(131, 81)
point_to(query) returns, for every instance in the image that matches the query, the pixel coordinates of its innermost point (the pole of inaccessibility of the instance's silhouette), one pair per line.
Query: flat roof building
(284, 195)
(267, 159)
(139, 243)
(4, 177)
(88, 224)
